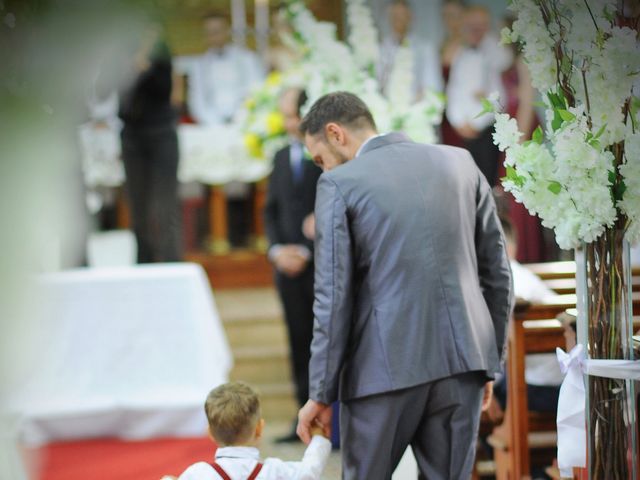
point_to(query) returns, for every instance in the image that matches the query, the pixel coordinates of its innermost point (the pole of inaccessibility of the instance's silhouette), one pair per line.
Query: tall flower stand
(605, 329)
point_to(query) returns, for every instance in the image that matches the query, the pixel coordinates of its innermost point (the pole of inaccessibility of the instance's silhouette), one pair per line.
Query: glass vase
(605, 328)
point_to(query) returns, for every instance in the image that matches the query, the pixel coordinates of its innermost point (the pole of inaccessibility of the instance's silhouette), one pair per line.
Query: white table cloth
(126, 352)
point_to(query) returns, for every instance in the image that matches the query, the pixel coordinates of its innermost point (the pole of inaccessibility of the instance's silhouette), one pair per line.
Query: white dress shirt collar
(365, 142)
(251, 453)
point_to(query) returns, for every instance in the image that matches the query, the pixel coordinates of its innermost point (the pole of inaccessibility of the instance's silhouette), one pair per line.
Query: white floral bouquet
(328, 64)
(581, 172)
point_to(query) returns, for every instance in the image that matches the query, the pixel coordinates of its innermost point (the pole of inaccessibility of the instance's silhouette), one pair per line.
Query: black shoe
(291, 437)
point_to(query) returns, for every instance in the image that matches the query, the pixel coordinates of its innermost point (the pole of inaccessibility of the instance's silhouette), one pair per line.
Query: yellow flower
(274, 79)
(253, 145)
(250, 103)
(275, 123)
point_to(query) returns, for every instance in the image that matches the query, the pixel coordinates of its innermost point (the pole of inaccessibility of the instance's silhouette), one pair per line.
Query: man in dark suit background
(289, 209)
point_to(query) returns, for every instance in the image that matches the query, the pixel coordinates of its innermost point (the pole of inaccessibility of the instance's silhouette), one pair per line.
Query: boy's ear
(259, 428)
(211, 434)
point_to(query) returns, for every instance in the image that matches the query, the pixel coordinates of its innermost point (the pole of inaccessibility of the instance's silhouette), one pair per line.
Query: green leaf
(539, 104)
(554, 187)
(612, 177)
(566, 115)
(487, 107)
(538, 135)
(556, 123)
(513, 176)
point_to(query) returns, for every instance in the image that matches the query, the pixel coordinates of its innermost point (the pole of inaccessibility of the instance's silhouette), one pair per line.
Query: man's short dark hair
(343, 108)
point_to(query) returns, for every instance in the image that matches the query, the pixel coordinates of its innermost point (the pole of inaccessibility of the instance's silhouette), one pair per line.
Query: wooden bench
(553, 270)
(523, 430)
(563, 286)
(534, 329)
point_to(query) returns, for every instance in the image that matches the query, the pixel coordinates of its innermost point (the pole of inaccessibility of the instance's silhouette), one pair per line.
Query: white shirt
(239, 462)
(540, 368)
(219, 82)
(475, 74)
(426, 65)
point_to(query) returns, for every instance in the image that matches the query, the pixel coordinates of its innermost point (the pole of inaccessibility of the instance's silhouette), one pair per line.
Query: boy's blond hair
(233, 411)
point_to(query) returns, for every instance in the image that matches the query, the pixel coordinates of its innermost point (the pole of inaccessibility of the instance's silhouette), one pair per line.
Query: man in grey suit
(412, 295)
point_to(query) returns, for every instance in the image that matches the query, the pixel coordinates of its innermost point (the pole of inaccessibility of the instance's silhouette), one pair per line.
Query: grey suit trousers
(438, 419)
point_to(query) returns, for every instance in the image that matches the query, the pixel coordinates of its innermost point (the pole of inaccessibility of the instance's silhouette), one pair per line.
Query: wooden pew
(563, 286)
(552, 270)
(521, 429)
(534, 329)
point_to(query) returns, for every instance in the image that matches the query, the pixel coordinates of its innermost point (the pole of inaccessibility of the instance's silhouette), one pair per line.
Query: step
(256, 332)
(247, 304)
(261, 364)
(277, 401)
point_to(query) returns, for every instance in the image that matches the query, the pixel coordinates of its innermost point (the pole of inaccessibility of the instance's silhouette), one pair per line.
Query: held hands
(289, 261)
(314, 419)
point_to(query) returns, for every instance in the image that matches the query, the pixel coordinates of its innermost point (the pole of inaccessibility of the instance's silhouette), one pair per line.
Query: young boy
(233, 413)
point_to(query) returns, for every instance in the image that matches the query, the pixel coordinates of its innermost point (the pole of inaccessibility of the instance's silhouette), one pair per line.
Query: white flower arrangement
(580, 174)
(329, 64)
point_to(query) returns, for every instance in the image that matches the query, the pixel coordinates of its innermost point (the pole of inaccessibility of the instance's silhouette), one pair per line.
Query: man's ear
(335, 133)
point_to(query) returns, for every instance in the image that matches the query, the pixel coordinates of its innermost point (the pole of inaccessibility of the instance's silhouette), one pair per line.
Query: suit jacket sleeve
(333, 304)
(271, 205)
(493, 263)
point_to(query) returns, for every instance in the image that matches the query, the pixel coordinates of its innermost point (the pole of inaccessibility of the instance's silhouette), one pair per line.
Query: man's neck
(360, 138)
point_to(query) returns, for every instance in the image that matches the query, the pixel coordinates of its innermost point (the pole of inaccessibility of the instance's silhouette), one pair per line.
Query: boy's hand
(311, 415)
(317, 430)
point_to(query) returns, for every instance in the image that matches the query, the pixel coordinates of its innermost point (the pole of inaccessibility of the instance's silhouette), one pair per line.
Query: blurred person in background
(518, 102)
(288, 220)
(475, 74)
(452, 15)
(219, 82)
(425, 59)
(222, 77)
(150, 149)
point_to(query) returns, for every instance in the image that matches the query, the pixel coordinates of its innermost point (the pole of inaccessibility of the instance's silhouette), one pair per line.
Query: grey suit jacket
(412, 280)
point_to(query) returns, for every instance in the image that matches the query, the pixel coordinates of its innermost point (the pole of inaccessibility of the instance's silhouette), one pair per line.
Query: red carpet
(107, 459)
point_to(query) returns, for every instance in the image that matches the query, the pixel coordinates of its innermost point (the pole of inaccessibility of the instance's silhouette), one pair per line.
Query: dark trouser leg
(296, 295)
(165, 208)
(438, 419)
(485, 154)
(137, 168)
(375, 431)
(445, 441)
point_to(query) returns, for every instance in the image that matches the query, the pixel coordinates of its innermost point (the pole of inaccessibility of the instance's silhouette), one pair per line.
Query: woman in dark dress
(150, 150)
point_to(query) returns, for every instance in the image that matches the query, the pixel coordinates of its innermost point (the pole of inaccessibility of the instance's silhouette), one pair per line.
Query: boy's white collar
(238, 452)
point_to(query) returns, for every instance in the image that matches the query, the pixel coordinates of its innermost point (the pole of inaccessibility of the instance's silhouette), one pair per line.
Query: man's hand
(311, 415)
(309, 226)
(289, 261)
(488, 395)
(467, 132)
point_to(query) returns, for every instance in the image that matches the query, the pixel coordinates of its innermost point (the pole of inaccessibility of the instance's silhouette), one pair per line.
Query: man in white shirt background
(219, 82)
(475, 74)
(222, 77)
(425, 59)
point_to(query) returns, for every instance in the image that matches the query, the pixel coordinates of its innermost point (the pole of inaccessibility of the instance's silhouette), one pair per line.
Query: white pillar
(262, 26)
(238, 22)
